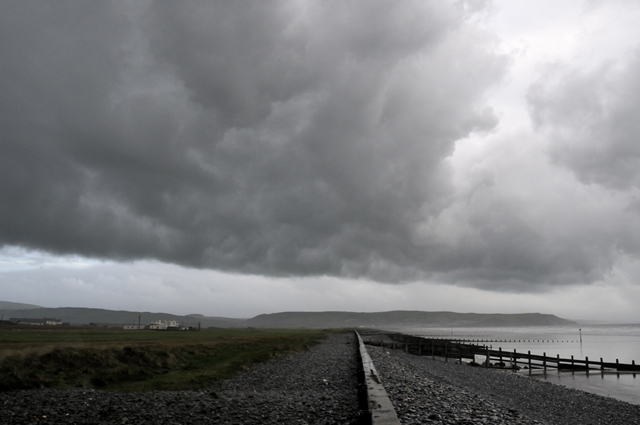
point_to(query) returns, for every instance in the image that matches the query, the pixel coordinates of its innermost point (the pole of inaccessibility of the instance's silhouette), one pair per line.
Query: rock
(449, 393)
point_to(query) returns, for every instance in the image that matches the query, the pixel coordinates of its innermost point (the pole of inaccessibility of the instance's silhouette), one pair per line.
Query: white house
(132, 327)
(164, 325)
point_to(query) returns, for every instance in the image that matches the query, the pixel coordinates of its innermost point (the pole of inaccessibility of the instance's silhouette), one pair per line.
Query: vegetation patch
(138, 360)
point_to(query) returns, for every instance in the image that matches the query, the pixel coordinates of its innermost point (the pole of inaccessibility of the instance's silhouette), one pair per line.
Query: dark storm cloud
(280, 138)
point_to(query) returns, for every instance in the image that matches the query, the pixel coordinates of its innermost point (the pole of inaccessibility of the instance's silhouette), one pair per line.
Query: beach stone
(446, 392)
(318, 386)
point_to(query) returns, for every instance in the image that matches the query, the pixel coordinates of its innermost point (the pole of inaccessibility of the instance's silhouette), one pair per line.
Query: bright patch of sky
(15, 258)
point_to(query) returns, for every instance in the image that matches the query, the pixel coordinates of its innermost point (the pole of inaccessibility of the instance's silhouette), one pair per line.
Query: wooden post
(558, 362)
(500, 353)
(617, 365)
(544, 361)
(601, 365)
(514, 363)
(529, 359)
(486, 363)
(586, 362)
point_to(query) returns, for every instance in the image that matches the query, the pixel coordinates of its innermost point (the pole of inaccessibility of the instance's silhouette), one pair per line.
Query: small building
(37, 322)
(165, 325)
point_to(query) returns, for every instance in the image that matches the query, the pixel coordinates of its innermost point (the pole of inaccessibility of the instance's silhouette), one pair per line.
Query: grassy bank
(137, 360)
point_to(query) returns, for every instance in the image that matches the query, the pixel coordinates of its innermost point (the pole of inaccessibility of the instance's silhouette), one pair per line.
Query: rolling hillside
(85, 316)
(7, 305)
(334, 319)
(326, 319)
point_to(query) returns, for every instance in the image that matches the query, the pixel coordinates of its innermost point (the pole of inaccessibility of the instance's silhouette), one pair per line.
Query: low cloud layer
(306, 139)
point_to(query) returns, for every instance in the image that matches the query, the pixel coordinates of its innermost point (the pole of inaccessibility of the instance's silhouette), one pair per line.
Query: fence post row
(447, 348)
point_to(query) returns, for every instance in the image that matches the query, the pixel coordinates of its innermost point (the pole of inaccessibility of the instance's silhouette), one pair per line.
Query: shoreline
(319, 386)
(529, 401)
(608, 384)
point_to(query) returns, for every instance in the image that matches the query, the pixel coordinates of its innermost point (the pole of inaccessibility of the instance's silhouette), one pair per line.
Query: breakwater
(466, 350)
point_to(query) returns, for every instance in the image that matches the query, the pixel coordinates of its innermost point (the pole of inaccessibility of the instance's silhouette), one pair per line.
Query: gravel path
(426, 391)
(314, 387)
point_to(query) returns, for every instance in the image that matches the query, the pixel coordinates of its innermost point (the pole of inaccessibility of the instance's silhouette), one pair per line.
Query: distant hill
(326, 319)
(395, 319)
(85, 316)
(7, 305)
(221, 322)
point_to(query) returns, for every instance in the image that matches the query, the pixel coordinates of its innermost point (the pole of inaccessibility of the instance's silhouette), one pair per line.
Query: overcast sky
(238, 158)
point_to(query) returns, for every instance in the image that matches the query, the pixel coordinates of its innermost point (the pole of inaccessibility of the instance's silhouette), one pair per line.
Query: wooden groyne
(453, 350)
(481, 339)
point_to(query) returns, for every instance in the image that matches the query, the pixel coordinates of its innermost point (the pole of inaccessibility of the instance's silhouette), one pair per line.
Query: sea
(609, 342)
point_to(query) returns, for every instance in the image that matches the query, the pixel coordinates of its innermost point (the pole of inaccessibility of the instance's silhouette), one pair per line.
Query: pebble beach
(426, 391)
(320, 386)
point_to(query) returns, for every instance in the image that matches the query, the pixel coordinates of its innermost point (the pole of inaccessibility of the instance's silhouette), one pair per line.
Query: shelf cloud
(310, 139)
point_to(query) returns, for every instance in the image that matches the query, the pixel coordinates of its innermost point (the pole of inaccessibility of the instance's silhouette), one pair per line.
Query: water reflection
(621, 385)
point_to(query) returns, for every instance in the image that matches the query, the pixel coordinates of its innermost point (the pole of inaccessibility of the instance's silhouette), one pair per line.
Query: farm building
(40, 322)
(165, 325)
(134, 327)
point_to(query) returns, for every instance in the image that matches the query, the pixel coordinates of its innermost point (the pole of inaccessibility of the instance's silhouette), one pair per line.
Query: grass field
(137, 360)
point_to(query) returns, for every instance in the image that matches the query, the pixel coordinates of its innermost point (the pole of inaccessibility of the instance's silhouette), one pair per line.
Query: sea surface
(609, 342)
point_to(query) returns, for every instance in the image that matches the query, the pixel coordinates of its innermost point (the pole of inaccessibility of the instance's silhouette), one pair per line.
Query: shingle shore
(426, 391)
(318, 386)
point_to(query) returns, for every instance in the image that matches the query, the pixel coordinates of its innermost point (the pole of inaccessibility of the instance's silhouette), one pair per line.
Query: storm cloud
(303, 139)
(591, 118)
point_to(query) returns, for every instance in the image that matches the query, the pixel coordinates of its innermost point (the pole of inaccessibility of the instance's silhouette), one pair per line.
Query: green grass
(138, 360)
